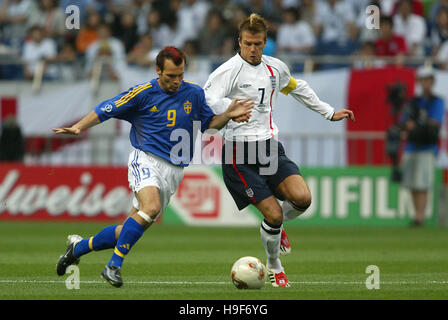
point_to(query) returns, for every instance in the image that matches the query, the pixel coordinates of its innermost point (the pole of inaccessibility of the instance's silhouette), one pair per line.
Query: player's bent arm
(301, 91)
(90, 120)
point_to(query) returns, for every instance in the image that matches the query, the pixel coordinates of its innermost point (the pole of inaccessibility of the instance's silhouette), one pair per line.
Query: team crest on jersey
(187, 106)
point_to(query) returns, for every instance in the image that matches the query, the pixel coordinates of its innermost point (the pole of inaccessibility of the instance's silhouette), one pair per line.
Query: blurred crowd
(131, 32)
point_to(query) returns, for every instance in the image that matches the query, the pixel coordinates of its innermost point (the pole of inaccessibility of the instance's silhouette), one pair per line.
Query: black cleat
(67, 259)
(112, 275)
(416, 224)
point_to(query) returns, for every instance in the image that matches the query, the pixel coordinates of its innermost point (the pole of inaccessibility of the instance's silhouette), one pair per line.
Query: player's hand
(240, 109)
(343, 114)
(72, 130)
(243, 118)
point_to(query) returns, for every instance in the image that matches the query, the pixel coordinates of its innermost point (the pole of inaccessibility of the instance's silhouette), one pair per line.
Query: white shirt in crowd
(118, 53)
(442, 55)
(334, 20)
(237, 78)
(295, 37)
(413, 29)
(33, 52)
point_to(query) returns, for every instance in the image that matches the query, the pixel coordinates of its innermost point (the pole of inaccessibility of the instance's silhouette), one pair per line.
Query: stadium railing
(297, 63)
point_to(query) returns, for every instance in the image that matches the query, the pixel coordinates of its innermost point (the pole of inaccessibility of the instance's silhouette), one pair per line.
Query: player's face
(171, 77)
(252, 45)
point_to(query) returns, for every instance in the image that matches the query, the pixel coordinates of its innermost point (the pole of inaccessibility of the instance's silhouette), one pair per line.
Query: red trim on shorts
(238, 172)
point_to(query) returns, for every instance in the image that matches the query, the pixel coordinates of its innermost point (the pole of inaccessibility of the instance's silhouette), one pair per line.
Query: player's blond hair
(254, 24)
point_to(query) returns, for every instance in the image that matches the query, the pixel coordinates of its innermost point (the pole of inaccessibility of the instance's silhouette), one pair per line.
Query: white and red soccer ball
(248, 273)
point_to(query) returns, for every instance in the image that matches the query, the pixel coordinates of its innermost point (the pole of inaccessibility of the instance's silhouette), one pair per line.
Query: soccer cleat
(278, 279)
(68, 258)
(285, 246)
(112, 275)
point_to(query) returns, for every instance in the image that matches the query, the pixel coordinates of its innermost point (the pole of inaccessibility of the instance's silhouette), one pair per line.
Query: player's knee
(151, 209)
(118, 231)
(275, 217)
(302, 199)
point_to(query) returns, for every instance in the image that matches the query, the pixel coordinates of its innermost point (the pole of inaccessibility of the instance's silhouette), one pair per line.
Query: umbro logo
(154, 109)
(245, 85)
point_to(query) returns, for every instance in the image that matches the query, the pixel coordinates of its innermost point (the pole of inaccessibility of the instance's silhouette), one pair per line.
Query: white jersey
(236, 78)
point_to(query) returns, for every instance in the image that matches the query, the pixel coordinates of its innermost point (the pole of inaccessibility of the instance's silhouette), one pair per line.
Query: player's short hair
(254, 24)
(172, 53)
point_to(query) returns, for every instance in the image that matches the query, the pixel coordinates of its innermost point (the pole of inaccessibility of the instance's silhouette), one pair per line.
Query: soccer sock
(105, 239)
(130, 233)
(271, 236)
(291, 210)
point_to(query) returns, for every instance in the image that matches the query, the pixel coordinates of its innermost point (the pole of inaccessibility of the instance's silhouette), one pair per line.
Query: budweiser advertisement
(80, 193)
(102, 193)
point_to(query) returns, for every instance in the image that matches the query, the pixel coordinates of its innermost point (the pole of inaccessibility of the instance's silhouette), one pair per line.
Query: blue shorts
(242, 176)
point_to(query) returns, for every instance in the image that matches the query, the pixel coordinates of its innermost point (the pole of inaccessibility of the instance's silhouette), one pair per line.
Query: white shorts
(146, 169)
(418, 170)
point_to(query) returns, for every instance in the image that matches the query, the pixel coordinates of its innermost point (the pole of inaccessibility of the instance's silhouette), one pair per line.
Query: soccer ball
(248, 273)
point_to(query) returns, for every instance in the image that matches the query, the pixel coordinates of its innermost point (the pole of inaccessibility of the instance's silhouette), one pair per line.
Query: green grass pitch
(189, 263)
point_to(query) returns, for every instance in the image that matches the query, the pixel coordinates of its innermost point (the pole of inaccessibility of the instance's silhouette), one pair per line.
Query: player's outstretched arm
(343, 114)
(239, 109)
(88, 121)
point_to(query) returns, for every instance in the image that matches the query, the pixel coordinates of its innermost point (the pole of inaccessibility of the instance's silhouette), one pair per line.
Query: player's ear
(158, 71)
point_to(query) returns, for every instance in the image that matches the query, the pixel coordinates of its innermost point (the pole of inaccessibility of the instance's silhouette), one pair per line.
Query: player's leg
(297, 196)
(420, 200)
(288, 185)
(271, 232)
(105, 239)
(149, 208)
(133, 228)
(77, 246)
(247, 186)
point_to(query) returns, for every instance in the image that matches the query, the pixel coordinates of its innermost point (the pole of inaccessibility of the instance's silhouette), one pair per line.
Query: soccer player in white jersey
(155, 109)
(250, 74)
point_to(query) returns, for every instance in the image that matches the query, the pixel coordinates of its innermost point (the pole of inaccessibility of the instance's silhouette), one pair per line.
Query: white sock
(291, 210)
(270, 236)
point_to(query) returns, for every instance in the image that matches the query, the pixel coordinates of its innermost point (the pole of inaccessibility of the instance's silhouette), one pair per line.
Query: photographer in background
(421, 124)
(12, 142)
